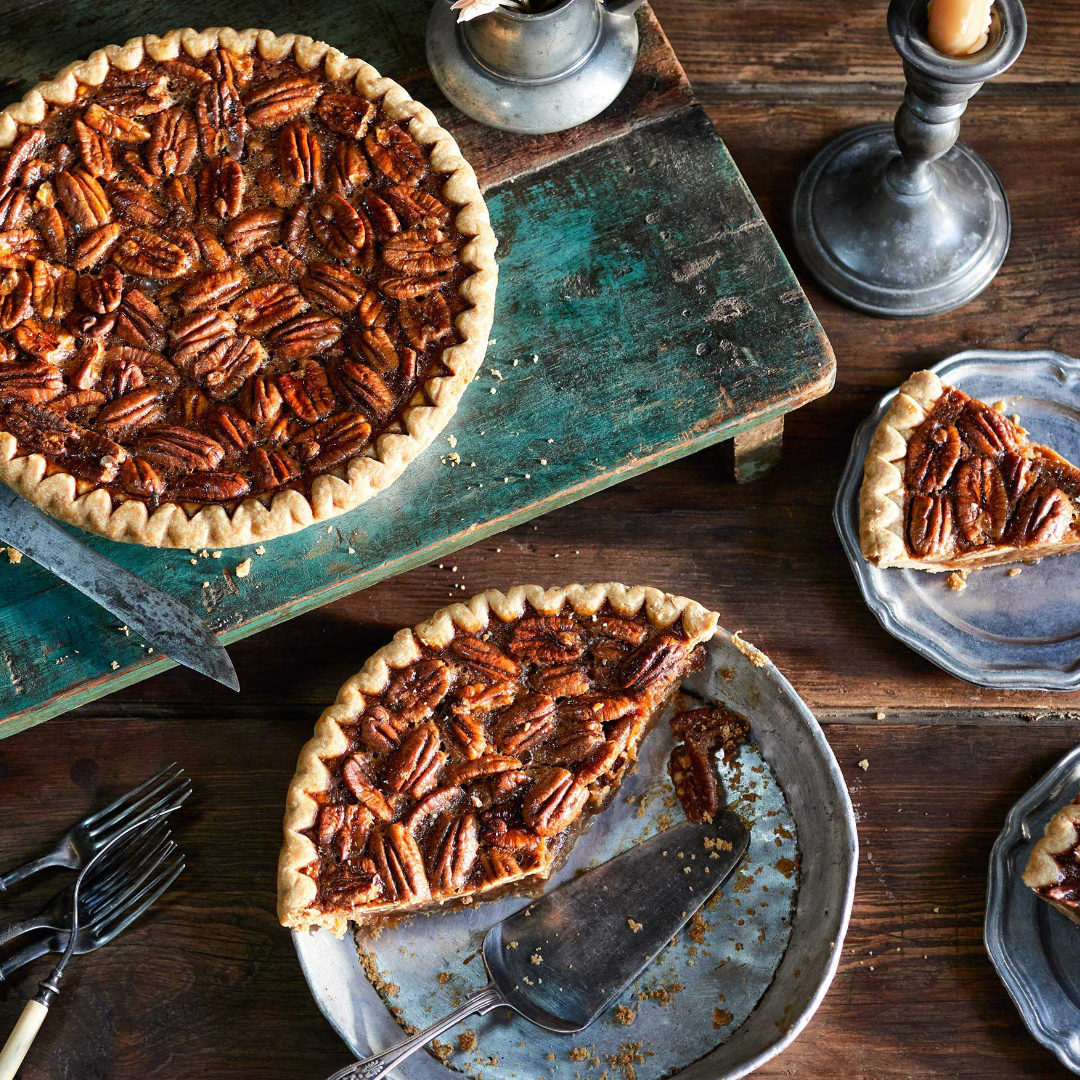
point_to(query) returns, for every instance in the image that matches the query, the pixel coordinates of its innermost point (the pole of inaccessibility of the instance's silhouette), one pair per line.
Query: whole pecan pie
(466, 755)
(1053, 868)
(244, 281)
(951, 483)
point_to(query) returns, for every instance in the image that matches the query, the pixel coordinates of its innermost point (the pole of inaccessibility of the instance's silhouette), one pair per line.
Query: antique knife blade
(170, 626)
(597, 933)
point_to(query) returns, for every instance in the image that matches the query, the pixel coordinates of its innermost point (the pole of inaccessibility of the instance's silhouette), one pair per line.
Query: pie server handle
(377, 1066)
(170, 626)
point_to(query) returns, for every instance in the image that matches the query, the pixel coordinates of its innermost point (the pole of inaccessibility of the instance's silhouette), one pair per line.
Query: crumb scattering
(864, 764)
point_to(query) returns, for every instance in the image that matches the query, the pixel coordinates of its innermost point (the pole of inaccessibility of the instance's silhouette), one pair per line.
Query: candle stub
(959, 27)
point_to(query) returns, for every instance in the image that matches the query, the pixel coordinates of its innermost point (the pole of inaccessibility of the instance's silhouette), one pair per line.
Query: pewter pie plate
(771, 988)
(1009, 633)
(1036, 949)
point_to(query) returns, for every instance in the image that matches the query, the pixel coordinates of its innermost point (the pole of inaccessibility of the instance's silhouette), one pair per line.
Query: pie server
(564, 959)
(171, 627)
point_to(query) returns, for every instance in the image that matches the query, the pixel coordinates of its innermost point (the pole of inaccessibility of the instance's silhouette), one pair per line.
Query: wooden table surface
(209, 986)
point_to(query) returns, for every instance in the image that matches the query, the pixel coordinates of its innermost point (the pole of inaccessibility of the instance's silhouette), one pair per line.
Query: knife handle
(22, 1038)
(377, 1066)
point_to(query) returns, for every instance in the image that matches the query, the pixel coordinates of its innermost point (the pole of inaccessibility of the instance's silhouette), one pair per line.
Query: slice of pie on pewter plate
(951, 483)
(467, 755)
(1053, 868)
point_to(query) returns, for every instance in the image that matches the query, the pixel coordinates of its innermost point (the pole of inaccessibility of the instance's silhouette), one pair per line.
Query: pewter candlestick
(902, 220)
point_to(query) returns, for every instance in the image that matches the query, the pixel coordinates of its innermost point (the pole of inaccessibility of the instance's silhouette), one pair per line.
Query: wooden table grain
(209, 986)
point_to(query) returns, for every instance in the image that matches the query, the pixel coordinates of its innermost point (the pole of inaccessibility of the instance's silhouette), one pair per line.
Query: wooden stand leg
(755, 452)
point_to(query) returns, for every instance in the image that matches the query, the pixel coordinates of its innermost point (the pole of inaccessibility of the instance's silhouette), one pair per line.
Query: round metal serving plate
(1013, 633)
(1035, 949)
(772, 985)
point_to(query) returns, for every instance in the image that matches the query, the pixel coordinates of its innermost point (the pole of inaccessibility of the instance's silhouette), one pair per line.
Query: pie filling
(975, 485)
(1067, 888)
(218, 278)
(479, 763)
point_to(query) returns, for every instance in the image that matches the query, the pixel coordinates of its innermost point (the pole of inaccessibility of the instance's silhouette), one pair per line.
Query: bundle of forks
(125, 859)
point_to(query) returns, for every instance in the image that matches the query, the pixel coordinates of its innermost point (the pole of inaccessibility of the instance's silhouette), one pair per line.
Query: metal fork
(168, 789)
(116, 918)
(103, 884)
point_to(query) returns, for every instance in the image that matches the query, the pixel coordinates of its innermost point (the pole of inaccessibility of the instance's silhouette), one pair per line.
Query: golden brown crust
(297, 890)
(1062, 834)
(252, 521)
(881, 500)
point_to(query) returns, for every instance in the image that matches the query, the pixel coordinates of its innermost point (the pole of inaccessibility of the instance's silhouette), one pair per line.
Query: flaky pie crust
(1061, 835)
(296, 890)
(169, 525)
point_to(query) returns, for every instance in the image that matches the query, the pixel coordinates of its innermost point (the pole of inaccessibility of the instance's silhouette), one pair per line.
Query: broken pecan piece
(694, 779)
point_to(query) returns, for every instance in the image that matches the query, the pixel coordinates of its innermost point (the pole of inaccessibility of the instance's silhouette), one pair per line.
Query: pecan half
(253, 229)
(44, 341)
(333, 286)
(135, 204)
(180, 449)
(929, 524)
(33, 382)
(415, 691)
(216, 487)
(145, 254)
(274, 103)
(932, 457)
(131, 412)
(694, 779)
(982, 502)
(347, 114)
(468, 736)
(212, 290)
(227, 364)
(19, 248)
(1042, 517)
(395, 153)
(554, 802)
(425, 320)
(14, 208)
(96, 153)
(380, 731)
(562, 681)
(278, 262)
(338, 227)
(399, 864)
(466, 772)
(140, 321)
(653, 662)
(305, 336)
(485, 657)
(547, 639)
(420, 252)
(16, 290)
(102, 293)
(173, 142)
(497, 866)
(364, 790)
(95, 247)
(604, 708)
(269, 306)
(333, 441)
(986, 431)
(349, 169)
(576, 744)
(405, 288)
(431, 804)
(525, 724)
(272, 469)
(141, 479)
(83, 198)
(300, 154)
(54, 290)
(417, 207)
(221, 188)
(54, 230)
(413, 769)
(220, 116)
(198, 332)
(23, 149)
(367, 390)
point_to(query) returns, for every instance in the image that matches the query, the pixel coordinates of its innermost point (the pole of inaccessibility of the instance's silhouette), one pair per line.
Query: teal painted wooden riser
(644, 312)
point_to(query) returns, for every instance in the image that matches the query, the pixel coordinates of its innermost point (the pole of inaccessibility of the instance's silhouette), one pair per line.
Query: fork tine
(120, 859)
(124, 883)
(170, 792)
(118, 921)
(119, 802)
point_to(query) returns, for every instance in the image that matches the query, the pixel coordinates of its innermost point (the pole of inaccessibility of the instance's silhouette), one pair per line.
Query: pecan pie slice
(1053, 868)
(244, 281)
(467, 755)
(951, 483)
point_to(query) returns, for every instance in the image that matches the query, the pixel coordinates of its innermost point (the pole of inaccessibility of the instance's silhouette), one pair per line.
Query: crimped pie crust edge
(1062, 833)
(296, 890)
(252, 521)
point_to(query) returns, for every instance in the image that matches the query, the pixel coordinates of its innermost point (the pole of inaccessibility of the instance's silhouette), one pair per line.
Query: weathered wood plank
(645, 312)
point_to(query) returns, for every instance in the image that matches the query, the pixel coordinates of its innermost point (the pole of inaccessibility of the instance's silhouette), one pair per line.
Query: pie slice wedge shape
(466, 756)
(951, 483)
(1053, 868)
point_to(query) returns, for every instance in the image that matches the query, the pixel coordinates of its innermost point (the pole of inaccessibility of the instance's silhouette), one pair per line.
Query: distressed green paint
(639, 273)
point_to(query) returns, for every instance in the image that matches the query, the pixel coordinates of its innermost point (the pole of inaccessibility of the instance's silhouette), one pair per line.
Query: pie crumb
(466, 1041)
(260, 550)
(443, 977)
(114, 665)
(579, 1053)
(216, 555)
(442, 1050)
(634, 926)
(244, 568)
(957, 580)
(625, 1015)
(14, 556)
(536, 958)
(879, 716)
(721, 1018)
(1016, 571)
(864, 764)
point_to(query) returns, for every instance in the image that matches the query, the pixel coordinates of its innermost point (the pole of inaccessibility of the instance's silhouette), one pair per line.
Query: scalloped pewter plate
(1035, 949)
(771, 988)
(1009, 633)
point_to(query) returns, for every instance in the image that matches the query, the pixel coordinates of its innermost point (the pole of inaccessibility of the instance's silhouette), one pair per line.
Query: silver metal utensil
(165, 790)
(33, 1015)
(170, 626)
(111, 918)
(565, 959)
